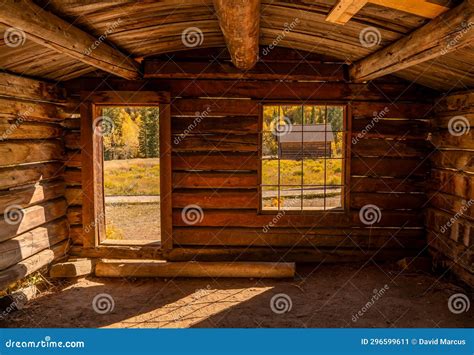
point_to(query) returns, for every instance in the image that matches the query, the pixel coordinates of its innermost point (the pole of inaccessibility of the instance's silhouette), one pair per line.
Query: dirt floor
(136, 221)
(320, 296)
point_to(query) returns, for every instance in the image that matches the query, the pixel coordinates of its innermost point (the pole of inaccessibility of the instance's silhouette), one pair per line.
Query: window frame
(346, 158)
(93, 206)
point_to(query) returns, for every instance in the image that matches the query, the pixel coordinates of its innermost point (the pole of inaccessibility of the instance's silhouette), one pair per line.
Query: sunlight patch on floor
(191, 309)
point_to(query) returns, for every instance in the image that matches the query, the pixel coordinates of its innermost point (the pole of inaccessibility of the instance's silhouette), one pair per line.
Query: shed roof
(308, 133)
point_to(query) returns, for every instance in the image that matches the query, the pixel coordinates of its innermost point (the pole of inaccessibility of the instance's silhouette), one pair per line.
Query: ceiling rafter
(239, 21)
(450, 31)
(31, 21)
(344, 10)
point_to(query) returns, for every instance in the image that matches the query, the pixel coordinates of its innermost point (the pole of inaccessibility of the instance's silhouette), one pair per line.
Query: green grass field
(310, 172)
(132, 177)
(139, 177)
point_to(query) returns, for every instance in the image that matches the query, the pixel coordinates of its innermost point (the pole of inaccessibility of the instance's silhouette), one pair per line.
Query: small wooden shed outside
(306, 141)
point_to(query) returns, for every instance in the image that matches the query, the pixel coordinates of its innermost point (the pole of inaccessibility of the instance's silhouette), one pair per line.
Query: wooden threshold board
(160, 268)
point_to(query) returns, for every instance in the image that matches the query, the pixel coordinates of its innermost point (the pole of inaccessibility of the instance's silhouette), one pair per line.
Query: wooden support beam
(303, 255)
(448, 32)
(53, 32)
(150, 252)
(421, 8)
(154, 268)
(240, 23)
(261, 71)
(344, 10)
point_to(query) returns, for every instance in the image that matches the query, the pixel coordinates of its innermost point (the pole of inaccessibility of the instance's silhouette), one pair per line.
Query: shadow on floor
(321, 296)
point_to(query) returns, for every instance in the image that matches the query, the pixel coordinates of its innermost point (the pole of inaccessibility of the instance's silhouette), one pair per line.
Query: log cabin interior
(388, 85)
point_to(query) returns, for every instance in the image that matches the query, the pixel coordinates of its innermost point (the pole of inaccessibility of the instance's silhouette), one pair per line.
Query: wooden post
(91, 177)
(166, 178)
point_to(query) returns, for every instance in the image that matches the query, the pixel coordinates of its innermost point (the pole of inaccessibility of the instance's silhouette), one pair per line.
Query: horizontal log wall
(33, 226)
(215, 166)
(450, 216)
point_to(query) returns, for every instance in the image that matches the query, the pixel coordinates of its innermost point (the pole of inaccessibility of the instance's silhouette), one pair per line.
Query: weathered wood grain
(446, 33)
(21, 152)
(16, 176)
(239, 21)
(31, 195)
(32, 264)
(53, 32)
(25, 245)
(30, 89)
(153, 268)
(32, 217)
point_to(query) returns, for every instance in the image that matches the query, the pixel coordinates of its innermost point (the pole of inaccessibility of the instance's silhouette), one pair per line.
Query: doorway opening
(131, 174)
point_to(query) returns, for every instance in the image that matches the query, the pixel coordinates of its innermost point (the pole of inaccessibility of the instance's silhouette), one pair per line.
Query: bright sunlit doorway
(126, 146)
(131, 167)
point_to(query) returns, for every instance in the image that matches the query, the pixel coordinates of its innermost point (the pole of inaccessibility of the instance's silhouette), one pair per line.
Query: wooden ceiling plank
(239, 21)
(344, 10)
(446, 33)
(34, 23)
(417, 7)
